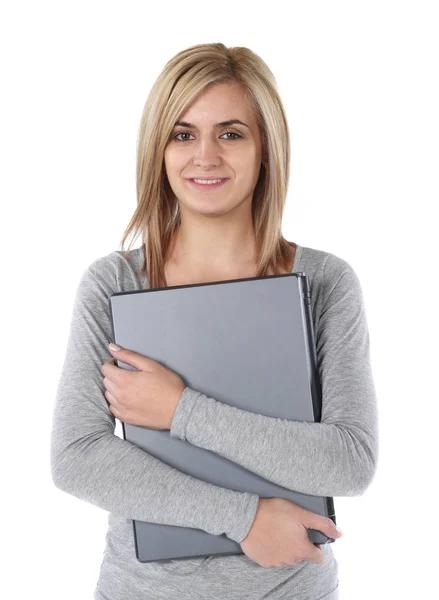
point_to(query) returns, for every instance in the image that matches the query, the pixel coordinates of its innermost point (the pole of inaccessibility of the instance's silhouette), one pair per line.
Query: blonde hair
(183, 78)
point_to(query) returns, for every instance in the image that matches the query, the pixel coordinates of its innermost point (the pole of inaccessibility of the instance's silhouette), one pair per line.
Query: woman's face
(204, 148)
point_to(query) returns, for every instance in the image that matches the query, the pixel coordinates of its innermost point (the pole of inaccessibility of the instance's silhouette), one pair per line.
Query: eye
(233, 133)
(177, 139)
(181, 133)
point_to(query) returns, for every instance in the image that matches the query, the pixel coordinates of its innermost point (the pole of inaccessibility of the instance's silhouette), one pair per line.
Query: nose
(206, 153)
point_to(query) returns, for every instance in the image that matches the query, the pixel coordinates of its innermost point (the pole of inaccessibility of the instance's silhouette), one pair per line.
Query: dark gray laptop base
(248, 343)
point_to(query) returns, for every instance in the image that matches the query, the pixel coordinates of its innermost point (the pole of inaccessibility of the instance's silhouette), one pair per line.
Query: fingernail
(339, 530)
(114, 347)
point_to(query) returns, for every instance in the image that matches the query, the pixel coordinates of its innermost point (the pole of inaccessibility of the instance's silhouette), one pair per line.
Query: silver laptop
(260, 331)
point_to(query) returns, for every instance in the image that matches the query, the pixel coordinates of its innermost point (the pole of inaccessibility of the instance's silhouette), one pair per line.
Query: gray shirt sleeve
(91, 463)
(335, 457)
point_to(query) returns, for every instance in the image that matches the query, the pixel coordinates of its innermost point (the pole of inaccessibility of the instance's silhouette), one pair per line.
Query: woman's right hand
(279, 534)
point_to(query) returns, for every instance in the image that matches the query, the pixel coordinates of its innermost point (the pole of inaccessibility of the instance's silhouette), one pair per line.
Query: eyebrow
(222, 124)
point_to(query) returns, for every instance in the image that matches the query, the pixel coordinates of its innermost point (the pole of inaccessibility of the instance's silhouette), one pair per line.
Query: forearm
(123, 479)
(334, 457)
(310, 458)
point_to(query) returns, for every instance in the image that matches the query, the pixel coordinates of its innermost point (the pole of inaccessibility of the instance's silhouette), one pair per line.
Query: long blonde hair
(183, 78)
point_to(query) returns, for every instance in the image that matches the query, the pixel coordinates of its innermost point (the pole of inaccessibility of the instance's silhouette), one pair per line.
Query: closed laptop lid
(245, 342)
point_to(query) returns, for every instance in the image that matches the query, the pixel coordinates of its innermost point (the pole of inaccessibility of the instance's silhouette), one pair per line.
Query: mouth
(208, 184)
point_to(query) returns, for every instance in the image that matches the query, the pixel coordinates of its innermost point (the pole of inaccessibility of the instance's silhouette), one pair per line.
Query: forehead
(219, 103)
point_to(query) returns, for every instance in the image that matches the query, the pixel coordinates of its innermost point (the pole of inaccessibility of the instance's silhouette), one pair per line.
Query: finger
(105, 365)
(115, 412)
(112, 400)
(142, 363)
(323, 524)
(316, 555)
(116, 374)
(110, 386)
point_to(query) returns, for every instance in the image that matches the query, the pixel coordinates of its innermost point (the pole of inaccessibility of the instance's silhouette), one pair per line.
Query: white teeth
(207, 181)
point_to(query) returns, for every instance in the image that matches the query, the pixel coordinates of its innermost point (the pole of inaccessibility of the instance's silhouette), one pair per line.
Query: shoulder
(118, 270)
(330, 277)
(329, 266)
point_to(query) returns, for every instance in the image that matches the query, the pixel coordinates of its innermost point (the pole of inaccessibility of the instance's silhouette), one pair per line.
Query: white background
(359, 81)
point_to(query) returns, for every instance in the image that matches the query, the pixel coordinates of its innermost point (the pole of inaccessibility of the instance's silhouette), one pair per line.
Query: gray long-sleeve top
(91, 463)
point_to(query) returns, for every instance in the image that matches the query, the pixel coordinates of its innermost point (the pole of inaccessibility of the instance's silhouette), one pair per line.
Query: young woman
(212, 178)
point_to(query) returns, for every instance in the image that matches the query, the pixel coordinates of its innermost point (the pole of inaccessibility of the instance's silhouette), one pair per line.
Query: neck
(214, 248)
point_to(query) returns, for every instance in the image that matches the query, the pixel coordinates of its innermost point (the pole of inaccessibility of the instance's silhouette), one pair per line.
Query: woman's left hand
(147, 397)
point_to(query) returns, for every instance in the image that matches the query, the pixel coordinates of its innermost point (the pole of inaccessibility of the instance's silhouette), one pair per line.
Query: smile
(207, 183)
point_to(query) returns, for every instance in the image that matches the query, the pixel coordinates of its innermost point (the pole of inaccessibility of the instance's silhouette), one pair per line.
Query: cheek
(248, 167)
(174, 163)
(248, 157)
